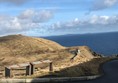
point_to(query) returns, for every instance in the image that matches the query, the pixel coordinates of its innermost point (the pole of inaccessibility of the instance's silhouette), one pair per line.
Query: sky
(57, 17)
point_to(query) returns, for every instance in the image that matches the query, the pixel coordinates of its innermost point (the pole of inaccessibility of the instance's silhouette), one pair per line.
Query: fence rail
(29, 68)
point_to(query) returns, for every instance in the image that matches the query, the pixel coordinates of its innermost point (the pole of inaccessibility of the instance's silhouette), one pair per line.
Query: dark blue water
(103, 43)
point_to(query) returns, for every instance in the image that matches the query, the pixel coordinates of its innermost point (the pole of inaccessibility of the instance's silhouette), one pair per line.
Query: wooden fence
(28, 67)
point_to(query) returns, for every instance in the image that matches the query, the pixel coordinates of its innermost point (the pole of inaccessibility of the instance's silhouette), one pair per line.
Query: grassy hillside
(22, 45)
(16, 49)
(88, 68)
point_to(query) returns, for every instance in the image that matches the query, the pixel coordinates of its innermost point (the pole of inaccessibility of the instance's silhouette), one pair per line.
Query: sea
(102, 43)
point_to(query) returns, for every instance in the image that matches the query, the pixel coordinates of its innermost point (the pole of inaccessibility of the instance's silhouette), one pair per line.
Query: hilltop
(19, 47)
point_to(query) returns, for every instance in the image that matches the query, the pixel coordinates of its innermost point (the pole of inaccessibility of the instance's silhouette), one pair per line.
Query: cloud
(103, 20)
(36, 16)
(12, 25)
(33, 22)
(26, 21)
(42, 16)
(91, 25)
(27, 14)
(103, 4)
(16, 2)
(69, 24)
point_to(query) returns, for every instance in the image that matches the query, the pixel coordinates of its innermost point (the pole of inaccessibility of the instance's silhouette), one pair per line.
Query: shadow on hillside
(84, 69)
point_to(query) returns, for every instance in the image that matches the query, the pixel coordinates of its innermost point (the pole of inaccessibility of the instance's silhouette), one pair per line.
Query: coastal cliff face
(16, 49)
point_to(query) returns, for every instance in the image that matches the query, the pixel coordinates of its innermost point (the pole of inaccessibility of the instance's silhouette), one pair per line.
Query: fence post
(32, 68)
(7, 72)
(51, 67)
(28, 70)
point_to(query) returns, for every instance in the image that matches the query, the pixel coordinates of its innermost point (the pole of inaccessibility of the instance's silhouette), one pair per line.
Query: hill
(13, 47)
(16, 49)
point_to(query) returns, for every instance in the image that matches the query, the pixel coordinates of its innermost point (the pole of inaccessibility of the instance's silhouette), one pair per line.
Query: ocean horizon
(102, 43)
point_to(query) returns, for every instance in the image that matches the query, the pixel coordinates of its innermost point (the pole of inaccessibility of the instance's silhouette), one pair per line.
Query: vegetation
(66, 60)
(19, 49)
(92, 67)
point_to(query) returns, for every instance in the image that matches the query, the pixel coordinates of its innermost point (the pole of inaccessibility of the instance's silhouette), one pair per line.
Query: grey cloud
(42, 16)
(103, 4)
(36, 16)
(27, 14)
(17, 2)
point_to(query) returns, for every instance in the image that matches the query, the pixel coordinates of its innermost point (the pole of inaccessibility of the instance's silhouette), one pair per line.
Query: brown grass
(88, 68)
(18, 48)
(15, 49)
